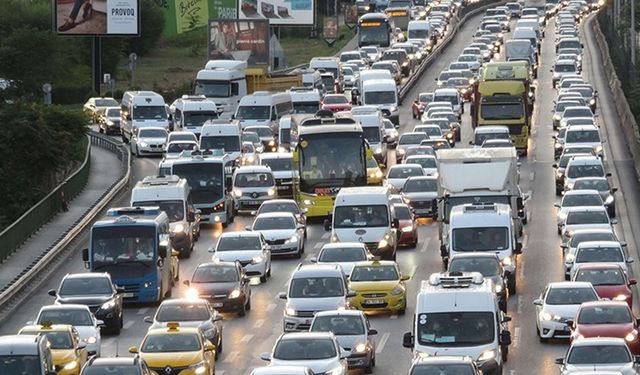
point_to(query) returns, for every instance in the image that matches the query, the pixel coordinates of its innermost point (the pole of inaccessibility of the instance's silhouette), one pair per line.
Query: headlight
(631, 336)
(378, 150)
(393, 109)
(449, 135)
(592, 101)
(609, 200)
(110, 123)
(307, 202)
(407, 229)
(272, 143)
(271, 192)
(401, 151)
(289, 311)
(598, 149)
(91, 340)
(546, 316)
(293, 239)
(360, 348)
(508, 261)
(71, 365)
(143, 144)
(178, 228)
(383, 243)
(334, 371)
(620, 297)
(570, 258)
(257, 259)
(562, 215)
(366, 7)
(557, 117)
(235, 293)
(556, 75)
(200, 367)
(487, 355)
(335, 238)
(237, 193)
(498, 288)
(249, 159)
(108, 305)
(192, 293)
(398, 290)
(557, 145)
(570, 186)
(379, 174)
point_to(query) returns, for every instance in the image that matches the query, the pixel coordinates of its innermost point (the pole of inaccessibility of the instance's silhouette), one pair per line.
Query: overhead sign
(97, 17)
(278, 12)
(239, 40)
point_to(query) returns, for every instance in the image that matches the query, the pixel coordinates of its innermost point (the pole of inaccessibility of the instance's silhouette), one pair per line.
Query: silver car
(605, 354)
(345, 254)
(398, 174)
(80, 317)
(281, 231)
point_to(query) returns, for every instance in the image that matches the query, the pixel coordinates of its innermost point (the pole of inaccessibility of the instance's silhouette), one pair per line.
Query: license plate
(282, 187)
(253, 202)
(217, 304)
(374, 301)
(127, 295)
(307, 321)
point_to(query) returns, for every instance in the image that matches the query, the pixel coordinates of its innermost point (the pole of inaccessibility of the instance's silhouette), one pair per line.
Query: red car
(606, 319)
(336, 103)
(408, 227)
(417, 108)
(609, 280)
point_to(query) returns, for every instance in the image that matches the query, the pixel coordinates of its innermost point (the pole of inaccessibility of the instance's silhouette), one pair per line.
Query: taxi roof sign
(173, 326)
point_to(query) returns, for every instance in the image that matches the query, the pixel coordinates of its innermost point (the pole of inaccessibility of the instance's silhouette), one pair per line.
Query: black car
(118, 365)
(224, 284)
(97, 291)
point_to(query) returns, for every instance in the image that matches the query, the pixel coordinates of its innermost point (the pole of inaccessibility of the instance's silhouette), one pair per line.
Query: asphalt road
(245, 338)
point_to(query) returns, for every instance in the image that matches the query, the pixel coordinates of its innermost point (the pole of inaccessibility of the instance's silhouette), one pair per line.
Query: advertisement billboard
(185, 15)
(278, 12)
(96, 17)
(239, 40)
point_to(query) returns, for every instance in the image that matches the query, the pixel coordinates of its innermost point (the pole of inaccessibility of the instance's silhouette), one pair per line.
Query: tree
(152, 24)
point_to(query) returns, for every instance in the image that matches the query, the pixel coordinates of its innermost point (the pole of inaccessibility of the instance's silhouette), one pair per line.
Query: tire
(248, 306)
(402, 311)
(511, 284)
(263, 279)
(505, 354)
(298, 255)
(242, 311)
(225, 224)
(413, 244)
(269, 271)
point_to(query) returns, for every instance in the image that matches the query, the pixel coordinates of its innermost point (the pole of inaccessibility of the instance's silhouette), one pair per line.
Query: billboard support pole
(95, 62)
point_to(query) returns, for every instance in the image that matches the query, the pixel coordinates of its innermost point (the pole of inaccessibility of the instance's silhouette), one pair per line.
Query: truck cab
(222, 136)
(224, 82)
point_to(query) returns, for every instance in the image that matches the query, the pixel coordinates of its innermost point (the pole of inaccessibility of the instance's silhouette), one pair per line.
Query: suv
(105, 366)
(280, 164)
(252, 185)
(313, 288)
(32, 355)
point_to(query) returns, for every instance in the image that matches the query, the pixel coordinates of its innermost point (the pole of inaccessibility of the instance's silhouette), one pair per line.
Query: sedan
(585, 218)
(249, 248)
(407, 140)
(407, 225)
(149, 141)
(576, 198)
(600, 184)
(419, 192)
(80, 317)
(346, 254)
(606, 319)
(610, 281)
(398, 174)
(282, 232)
(487, 264)
(336, 103)
(284, 205)
(429, 163)
(597, 252)
(109, 120)
(94, 105)
(605, 354)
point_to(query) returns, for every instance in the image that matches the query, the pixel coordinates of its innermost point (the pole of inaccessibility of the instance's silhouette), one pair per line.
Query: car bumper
(109, 317)
(388, 303)
(408, 238)
(181, 241)
(226, 304)
(356, 361)
(553, 329)
(149, 150)
(259, 269)
(243, 204)
(286, 249)
(296, 323)
(214, 217)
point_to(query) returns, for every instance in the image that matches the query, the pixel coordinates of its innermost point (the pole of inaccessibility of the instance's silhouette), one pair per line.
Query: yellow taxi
(68, 351)
(374, 173)
(177, 350)
(379, 285)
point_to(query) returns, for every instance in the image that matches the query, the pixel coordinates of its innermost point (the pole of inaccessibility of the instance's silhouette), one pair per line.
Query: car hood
(316, 304)
(605, 330)
(563, 311)
(318, 366)
(430, 171)
(153, 140)
(213, 289)
(190, 324)
(87, 331)
(429, 195)
(278, 234)
(368, 286)
(231, 256)
(624, 368)
(397, 183)
(172, 359)
(347, 267)
(62, 356)
(369, 234)
(611, 291)
(83, 300)
(349, 342)
(150, 123)
(574, 227)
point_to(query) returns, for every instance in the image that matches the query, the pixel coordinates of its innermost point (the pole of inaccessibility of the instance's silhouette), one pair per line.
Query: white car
(175, 148)
(149, 141)
(249, 248)
(398, 174)
(80, 317)
(282, 370)
(429, 163)
(576, 198)
(592, 217)
(597, 252)
(558, 303)
(432, 131)
(605, 354)
(319, 351)
(346, 254)
(282, 232)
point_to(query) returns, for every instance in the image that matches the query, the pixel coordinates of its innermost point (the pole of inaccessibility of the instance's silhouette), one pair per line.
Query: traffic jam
(284, 228)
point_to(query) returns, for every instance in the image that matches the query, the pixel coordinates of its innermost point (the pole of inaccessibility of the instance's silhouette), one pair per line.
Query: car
(609, 280)
(577, 111)
(418, 105)
(313, 288)
(252, 186)
(80, 317)
(94, 105)
(174, 149)
(407, 140)
(576, 198)
(589, 217)
(489, 266)
(379, 286)
(354, 334)
(69, 352)
(109, 120)
(282, 370)
(429, 163)
(224, 284)
(452, 123)
(249, 248)
(558, 109)
(406, 225)
(558, 304)
(606, 319)
(602, 186)
(601, 353)
(374, 173)
(588, 93)
(319, 351)
(398, 174)
(112, 365)
(336, 103)
(597, 252)
(443, 364)
(561, 68)
(190, 312)
(497, 143)
(584, 135)
(281, 167)
(254, 138)
(419, 192)
(432, 131)
(391, 131)
(417, 150)
(173, 348)
(267, 137)
(148, 141)
(589, 234)
(97, 291)
(560, 168)
(282, 232)
(284, 205)
(345, 254)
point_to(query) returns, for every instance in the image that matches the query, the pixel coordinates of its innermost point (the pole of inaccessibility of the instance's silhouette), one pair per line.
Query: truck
(477, 175)
(503, 96)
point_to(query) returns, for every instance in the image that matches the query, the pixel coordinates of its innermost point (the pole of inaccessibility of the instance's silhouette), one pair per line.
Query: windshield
(215, 274)
(480, 239)
(262, 131)
(254, 112)
(335, 99)
(604, 315)
(253, 179)
(404, 172)
(281, 164)
(228, 143)
(182, 312)
(316, 287)
(587, 217)
(403, 212)
(331, 160)
(76, 317)
(418, 33)
(342, 325)
(152, 133)
(20, 364)
(597, 277)
(480, 138)
(251, 137)
(171, 342)
(599, 254)
(501, 111)
(121, 245)
(585, 170)
(304, 349)
(577, 112)
(374, 273)
(191, 119)
(113, 112)
(598, 354)
(213, 89)
(420, 185)
(456, 328)
(57, 339)
(565, 68)
(176, 148)
(371, 133)
(239, 243)
(488, 267)
(174, 209)
(577, 136)
(453, 99)
(342, 254)
(205, 179)
(306, 107)
(424, 162)
(412, 139)
(274, 223)
(106, 102)
(279, 207)
(592, 184)
(75, 286)
(107, 369)
(582, 200)
(443, 369)
(361, 216)
(570, 296)
(379, 97)
(430, 130)
(149, 113)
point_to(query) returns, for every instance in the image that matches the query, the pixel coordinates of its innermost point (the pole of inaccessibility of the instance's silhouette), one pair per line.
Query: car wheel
(298, 255)
(505, 353)
(269, 271)
(263, 278)
(248, 306)
(242, 311)
(511, 284)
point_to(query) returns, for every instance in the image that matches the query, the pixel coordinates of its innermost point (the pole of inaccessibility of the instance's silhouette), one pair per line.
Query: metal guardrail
(41, 261)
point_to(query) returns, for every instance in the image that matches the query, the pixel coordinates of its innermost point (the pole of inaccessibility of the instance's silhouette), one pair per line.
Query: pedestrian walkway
(105, 170)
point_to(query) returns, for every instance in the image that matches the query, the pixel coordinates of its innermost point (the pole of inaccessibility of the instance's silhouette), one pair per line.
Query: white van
(173, 195)
(458, 314)
(281, 165)
(382, 93)
(420, 30)
(222, 136)
(328, 64)
(363, 214)
(482, 133)
(263, 108)
(305, 100)
(191, 112)
(372, 122)
(140, 109)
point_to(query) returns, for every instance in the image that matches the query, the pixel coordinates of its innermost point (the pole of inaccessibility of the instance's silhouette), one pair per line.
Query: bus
(133, 244)
(375, 29)
(400, 16)
(331, 153)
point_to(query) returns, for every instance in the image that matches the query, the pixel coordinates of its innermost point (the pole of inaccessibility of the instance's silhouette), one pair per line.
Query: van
(372, 122)
(382, 93)
(457, 314)
(263, 108)
(328, 64)
(421, 30)
(452, 96)
(482, 133)
(139, 109)
(312, 79)
(529, 34)
(288, 131)
(191, 112)
(281, 165)
(252, 185)
(364, 214)
(519, 50)
(305, 99)
(28, 354)
(173, 195)
(222, 136)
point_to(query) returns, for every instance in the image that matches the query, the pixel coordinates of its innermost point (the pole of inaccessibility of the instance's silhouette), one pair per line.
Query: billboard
(278, 12)
(184, 15)
(239, 40)
(96, 17)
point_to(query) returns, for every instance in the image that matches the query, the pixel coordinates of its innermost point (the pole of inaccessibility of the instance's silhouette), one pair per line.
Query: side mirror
(518, 248)
(471, 143)
(209, 347)
(633, 282)
(608, 174)
(560, 361)
(554, 165)
(404, 277)
(505, 338)
(133, 350)
(537, 302)
(630, 260)
(614, 221)
(120, 290)
(556, 205)
(85, 255)
(217, 318)
(247, 228)
(100, 323)
(191, 217)
(148, 319)
(520, 203)
(407, 340)
(162, 250)
(30, 322)
(282, 295)
(637, 359)
(373, 332)
(265, 356)
(351, 294)
(313, 260)
(52, 292)
(395, 223)
(570, 323)
(613, 190)
(327, 225)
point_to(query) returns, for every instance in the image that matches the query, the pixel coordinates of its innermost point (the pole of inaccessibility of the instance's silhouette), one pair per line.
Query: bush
(151, 27)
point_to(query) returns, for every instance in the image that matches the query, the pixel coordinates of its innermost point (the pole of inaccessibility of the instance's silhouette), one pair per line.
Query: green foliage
(152, 24)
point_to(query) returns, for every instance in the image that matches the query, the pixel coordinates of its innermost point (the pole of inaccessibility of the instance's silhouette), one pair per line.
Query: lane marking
(246, 338)
(318, 246)
(393, 316)
(129, 324)
(382, 343)
(424, 247)
(532, 175)
(413, 270)
(258, 323)
(516, 337)
(271, 307)
(231, 357)
(142, 311)
(520, 304)
(325, 235)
